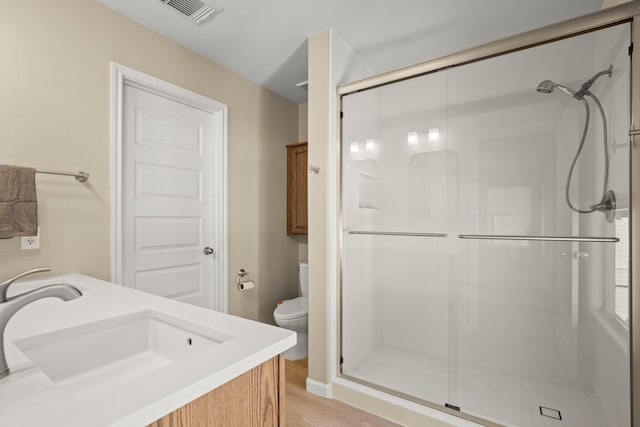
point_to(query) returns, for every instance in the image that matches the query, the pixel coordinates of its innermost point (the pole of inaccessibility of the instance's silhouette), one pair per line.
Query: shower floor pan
(505, 399)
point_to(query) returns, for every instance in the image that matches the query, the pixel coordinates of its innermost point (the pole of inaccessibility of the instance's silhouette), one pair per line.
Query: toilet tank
(303, 271)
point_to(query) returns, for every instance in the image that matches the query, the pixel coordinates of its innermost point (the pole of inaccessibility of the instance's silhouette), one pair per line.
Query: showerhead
(547, 86)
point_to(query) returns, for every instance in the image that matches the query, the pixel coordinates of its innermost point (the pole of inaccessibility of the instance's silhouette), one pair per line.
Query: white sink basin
(112, 351)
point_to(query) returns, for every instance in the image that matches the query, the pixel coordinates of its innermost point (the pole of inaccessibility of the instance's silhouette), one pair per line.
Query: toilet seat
(292, 309)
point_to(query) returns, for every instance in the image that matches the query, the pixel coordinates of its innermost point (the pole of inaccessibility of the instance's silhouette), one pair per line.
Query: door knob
(208, 250)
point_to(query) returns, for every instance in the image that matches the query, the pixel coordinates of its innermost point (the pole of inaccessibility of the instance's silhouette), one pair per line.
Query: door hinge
(341, 360)
(454, 407)
(341, 114)
(630, 49)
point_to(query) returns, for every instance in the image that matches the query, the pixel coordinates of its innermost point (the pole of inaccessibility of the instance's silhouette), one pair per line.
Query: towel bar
(80, 176)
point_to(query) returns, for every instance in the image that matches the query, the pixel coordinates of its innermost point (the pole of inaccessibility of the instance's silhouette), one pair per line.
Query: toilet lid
(292, 308)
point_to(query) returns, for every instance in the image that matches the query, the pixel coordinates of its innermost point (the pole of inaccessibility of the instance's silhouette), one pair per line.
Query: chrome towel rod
(539, 238)
(80, 176)
(399, 233)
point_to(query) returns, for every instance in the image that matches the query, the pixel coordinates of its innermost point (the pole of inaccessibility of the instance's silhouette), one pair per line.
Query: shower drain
(551, 413)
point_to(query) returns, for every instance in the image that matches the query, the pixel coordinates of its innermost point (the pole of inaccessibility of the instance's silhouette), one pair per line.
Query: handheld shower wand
(607, 203)
(547, 86)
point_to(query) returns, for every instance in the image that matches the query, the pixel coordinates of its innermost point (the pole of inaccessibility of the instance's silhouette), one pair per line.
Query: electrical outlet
(30, 242)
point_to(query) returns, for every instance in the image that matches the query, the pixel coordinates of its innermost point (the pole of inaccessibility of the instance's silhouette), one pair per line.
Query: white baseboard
(318, 388)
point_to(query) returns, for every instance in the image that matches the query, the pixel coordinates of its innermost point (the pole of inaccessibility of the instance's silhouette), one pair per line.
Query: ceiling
(265, 41)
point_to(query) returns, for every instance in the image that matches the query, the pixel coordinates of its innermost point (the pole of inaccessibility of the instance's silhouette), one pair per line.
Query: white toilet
(294, 314)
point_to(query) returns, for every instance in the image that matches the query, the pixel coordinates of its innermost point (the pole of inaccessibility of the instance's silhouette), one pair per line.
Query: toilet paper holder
(244, 285)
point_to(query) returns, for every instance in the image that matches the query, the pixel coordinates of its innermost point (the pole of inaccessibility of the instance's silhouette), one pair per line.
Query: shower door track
(539, 238)
(439, 407)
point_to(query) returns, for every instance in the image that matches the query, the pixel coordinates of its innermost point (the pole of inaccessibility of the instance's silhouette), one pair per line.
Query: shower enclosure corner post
(337, 372)
(634, 318)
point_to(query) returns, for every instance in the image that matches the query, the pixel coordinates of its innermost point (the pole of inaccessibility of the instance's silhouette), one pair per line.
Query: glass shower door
(537, 342)
(470, 278)
(396, 249)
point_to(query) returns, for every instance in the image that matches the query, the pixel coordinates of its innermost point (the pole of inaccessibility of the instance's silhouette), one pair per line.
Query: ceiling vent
(195, 10)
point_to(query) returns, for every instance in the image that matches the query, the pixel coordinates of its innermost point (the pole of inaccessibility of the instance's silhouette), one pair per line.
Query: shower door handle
(580, 255)
(576, 254)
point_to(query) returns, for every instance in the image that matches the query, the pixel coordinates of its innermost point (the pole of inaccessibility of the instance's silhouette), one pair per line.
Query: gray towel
(18, 202)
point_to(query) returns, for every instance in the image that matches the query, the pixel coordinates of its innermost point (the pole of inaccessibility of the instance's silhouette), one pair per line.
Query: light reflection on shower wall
(498, 328)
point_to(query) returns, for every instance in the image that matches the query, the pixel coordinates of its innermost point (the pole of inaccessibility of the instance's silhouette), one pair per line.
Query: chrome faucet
(13, 304)
(4, 286)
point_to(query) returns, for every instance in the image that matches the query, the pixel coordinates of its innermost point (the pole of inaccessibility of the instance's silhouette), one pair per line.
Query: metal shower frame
(626, 13)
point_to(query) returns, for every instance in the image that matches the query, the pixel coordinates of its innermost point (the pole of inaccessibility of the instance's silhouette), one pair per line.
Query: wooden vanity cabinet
(255, 398)
(297, 188)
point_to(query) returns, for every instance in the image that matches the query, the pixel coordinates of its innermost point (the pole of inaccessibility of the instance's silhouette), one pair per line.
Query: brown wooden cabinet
(254, 399)
(297, 188)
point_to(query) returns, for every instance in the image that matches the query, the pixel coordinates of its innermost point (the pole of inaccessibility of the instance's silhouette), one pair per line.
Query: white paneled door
(168, 192)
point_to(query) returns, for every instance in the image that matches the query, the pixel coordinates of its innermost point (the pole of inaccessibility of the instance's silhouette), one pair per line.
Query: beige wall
(609, 3)
(303, 125)
(55, 114)
(331, 63)
(303, 122)
(319, 98)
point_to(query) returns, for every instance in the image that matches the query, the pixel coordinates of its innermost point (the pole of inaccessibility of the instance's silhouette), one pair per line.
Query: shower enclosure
(469, 283)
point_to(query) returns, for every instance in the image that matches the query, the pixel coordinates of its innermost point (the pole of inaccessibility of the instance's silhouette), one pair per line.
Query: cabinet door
(253, 399)
(297, 188)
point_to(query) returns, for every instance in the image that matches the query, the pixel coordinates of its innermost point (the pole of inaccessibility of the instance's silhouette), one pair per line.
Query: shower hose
(605, 179)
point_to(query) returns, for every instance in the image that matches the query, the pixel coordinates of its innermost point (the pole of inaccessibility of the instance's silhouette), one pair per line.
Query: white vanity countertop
(29, 398)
